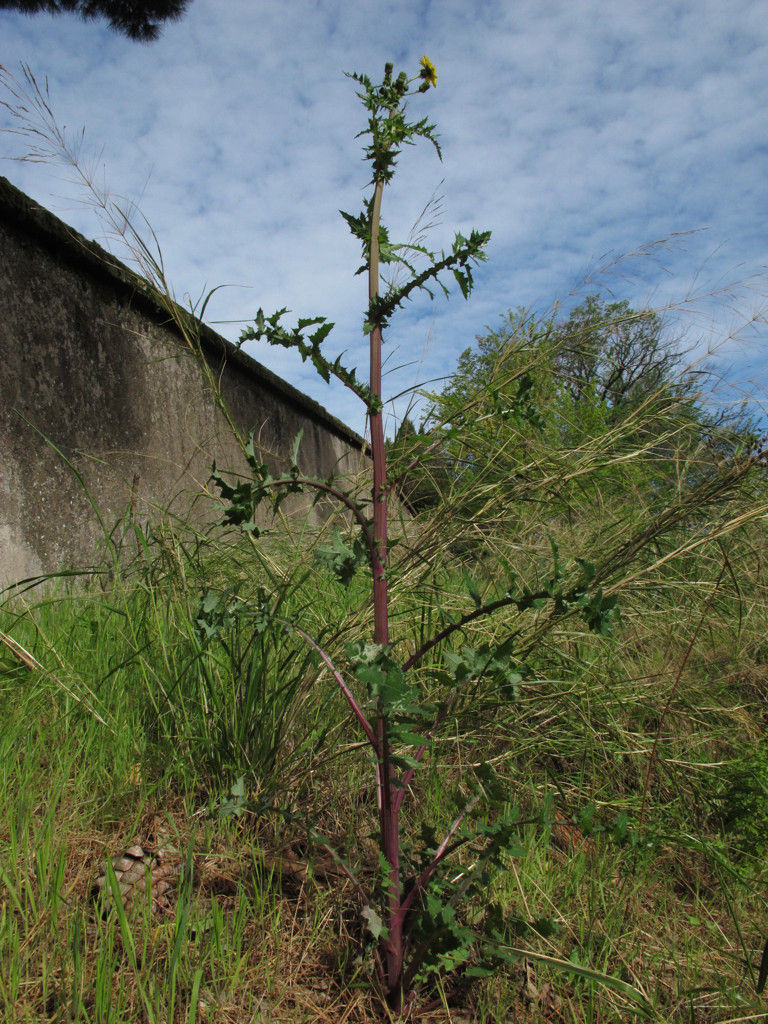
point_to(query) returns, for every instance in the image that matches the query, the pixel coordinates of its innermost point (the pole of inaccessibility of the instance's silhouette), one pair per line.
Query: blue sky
(579, 132)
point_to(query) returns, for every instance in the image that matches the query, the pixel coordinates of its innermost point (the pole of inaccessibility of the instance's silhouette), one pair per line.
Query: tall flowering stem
(392, 706)
(380, 608)
(389, 805)
(389, 815)
(388, 129)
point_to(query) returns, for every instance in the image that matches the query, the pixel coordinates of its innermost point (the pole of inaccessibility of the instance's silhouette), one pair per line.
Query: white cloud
(573, 131)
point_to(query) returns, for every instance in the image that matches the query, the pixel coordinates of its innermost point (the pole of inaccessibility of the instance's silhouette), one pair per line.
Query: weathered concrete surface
(91, 362)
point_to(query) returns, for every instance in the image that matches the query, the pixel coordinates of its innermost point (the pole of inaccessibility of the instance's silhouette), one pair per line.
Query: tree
(615, 353)
(605, 354)
(607, 364)
(561, 417)
(137, 19)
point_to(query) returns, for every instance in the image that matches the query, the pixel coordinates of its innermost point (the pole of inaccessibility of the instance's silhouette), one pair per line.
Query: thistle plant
(414, 924)
(413, 913)
(393, 712)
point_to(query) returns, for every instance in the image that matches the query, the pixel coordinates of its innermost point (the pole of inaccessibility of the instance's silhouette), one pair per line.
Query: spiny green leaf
(342, 558)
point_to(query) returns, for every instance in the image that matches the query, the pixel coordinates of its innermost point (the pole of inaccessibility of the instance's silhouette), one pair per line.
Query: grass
(106, 746)
(138, 711)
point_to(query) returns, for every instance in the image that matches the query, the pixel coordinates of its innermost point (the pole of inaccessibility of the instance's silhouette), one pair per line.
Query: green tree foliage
(584, 433)
(587, 372)
(596, 387)
(613, 354)
(137, 19)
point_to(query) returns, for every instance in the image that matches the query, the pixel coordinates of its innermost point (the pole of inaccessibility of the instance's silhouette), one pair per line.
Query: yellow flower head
(428, 71)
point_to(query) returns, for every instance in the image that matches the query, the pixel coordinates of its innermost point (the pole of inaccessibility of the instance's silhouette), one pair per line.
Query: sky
(611, 148)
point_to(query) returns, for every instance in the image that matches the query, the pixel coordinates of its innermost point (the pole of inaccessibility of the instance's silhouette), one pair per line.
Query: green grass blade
(588, 974)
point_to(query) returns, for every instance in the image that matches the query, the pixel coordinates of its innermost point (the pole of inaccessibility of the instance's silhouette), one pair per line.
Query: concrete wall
(88, 359)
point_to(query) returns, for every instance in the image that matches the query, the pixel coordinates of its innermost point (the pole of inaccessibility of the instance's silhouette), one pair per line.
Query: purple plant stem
(441, 851)
(388, 809)
(354, 706)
